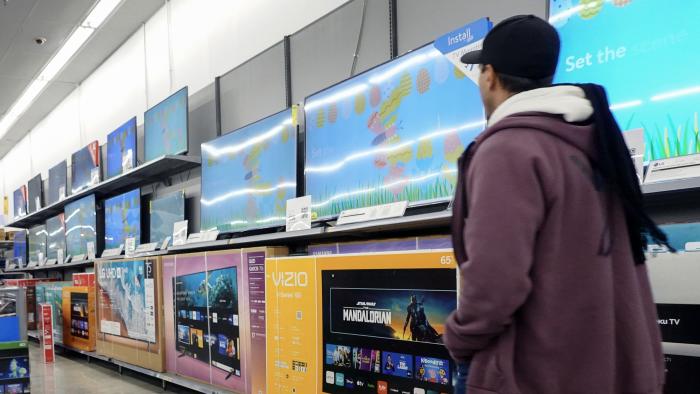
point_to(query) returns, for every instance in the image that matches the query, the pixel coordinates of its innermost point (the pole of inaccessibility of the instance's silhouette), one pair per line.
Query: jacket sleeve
(506, 208)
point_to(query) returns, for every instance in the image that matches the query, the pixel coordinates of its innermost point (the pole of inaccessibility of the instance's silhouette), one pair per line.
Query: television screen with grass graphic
(81, 224)
(165, 127)
(390, 134)
(249, 174)
(123, 219)
(121, 148)
(645, 54)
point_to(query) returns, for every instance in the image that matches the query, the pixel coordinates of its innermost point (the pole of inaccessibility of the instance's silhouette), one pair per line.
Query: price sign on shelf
(180, 232)
(298, 213)
(95, 176)
(60, 256)
(127, 160)
(130, 247)
(91, 250)
(61, 193)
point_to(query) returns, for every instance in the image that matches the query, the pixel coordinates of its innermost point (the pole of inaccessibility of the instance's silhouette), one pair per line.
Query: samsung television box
(130, 311)
(79, 329)
(366, 322)
(52, 293)
(215, 317)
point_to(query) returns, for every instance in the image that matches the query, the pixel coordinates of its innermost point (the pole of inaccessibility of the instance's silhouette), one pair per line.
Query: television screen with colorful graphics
(56, 236)
(249, 174)
(166, 211)
(85, 167)
(19, 201)
(121, 148)
(165, 127)
(35, 191)
(123, 219)
(390, 134)
(645, 63)
(37, 244)
(81, 223)
(58, 180)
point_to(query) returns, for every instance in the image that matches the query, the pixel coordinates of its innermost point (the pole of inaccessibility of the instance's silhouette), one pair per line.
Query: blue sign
(464, 36)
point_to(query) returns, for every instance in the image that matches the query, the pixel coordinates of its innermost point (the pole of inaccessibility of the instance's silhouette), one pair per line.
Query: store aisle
(75, 376)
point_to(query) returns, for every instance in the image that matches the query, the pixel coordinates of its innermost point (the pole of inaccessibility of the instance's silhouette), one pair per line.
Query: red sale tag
(46, 328)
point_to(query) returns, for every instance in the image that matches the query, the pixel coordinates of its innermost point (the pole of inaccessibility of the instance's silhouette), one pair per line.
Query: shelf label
(79, 257)
(127, 160)
(114, 252)
(180, 232)
(146, 248)
(91, 251)
(60, 256)
(195, 238)
(384, 211)
(37, 203)
(130, 248)
(95, 176)
(673, 168)
(298, 213)
(61, 193)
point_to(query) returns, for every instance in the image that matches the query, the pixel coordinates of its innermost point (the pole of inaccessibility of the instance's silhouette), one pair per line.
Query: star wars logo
(363, 312)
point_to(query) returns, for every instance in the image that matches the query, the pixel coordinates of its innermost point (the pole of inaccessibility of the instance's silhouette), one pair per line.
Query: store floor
(72, 374)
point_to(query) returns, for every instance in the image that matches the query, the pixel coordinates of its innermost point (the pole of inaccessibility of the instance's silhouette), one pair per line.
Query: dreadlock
(617, 170)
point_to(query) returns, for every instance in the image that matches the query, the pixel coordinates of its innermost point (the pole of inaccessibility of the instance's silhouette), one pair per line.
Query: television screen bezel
(187, 124)
(117, 131)
(31, 198)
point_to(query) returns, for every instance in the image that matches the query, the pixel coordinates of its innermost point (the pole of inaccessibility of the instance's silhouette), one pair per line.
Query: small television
(35, 194)
(37, 244)
(19, 248)
(56, 229)
(249, 174)
(165, 126)
(58, 180)
(85, 167)
(393, 133)
(123, 218)
(19, 199)
(81, 224)
(164, 212)
(191, 315)
(121, 148)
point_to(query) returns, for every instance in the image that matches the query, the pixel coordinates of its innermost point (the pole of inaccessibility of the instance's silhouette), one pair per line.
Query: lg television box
(130, 312)
(79, 329)
(52, 293)
(367, 322)
(215, 317)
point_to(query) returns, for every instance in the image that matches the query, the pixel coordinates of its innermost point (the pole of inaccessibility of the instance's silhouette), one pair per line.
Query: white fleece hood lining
(568, 101)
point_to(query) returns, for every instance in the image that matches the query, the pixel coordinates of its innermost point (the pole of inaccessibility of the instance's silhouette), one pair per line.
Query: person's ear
(490, 77)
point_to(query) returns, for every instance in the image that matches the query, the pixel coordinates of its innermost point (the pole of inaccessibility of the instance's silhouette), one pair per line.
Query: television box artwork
(79, 317)
(215, 325)
(52, 293)
(30, 286)
(129, 296)
(337, 326)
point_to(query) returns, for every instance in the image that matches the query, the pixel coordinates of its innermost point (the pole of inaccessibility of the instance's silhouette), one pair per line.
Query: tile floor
(72, 374)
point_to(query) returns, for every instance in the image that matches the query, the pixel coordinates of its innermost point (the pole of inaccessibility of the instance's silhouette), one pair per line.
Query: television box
(79, 330)
(130, 312)
(30, 293)
(52, 293)
(121, 148)
(84, 279)
(236, 358)
(85, 167)
(316, 309)
(166, 126)
(122, 219)
(35, 194)
(58, 181)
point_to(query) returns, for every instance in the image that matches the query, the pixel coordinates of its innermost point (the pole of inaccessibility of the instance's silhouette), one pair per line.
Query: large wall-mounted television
(19, 248)
(35, 192)
(249, 174)
(56, 229)
(121, 148)
(651, 79)
(123, 218)
(164, 212)
(37, 244)
(81, 224)
(392, 133)
(58, 181)
(165, 126)
(206, 318)
(19, 202)
(85, 167)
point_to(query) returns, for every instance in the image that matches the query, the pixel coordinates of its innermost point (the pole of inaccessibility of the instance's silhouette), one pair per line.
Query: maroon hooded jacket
(550, 301)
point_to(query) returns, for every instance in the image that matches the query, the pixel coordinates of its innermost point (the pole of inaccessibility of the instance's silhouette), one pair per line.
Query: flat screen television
(19, 201)
(121, 148)
(392, 133)
(35, 194)
(56, 229)
(165, 126)
(19, 248)
(164, 212)
(206, 318)
(609, 43)
(85, 167)
(249, 174)
(37, 244)
(81, 224)
(58, 181)
(123, 218)
(14, 372)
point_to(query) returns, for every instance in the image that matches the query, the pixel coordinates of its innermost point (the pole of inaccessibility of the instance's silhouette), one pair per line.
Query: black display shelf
(153, 171)
(56, 267)
(194, 247)
(669, 191)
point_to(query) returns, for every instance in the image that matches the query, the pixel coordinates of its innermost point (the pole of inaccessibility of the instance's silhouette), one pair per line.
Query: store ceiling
(21, 21)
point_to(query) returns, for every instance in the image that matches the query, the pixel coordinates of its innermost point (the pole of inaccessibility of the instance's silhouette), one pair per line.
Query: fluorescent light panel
(102, 10)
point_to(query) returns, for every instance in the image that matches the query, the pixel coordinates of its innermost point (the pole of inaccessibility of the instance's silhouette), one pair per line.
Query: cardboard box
(84, 279)
(79, 329)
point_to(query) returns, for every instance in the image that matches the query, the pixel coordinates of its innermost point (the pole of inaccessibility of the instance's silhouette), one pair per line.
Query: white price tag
(299, 213)
(60, 256)
(91, 250)
(165, 243)
(61, 193)
(180, 232)
(37, 203)
(95, 176)
(130, 246)
(127, 160)
(384, 211)
(41, 258)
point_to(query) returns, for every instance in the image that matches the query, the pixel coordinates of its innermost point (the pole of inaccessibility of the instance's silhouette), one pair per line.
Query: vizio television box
(360, 322)
(130, 311)
(79, 317)
(215, 317)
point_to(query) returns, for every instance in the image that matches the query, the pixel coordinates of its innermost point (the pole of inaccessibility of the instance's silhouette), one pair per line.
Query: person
(421, 330)
(549, 231)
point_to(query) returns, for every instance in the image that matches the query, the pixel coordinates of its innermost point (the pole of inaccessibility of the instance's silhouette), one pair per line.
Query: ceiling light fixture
(99, 13)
